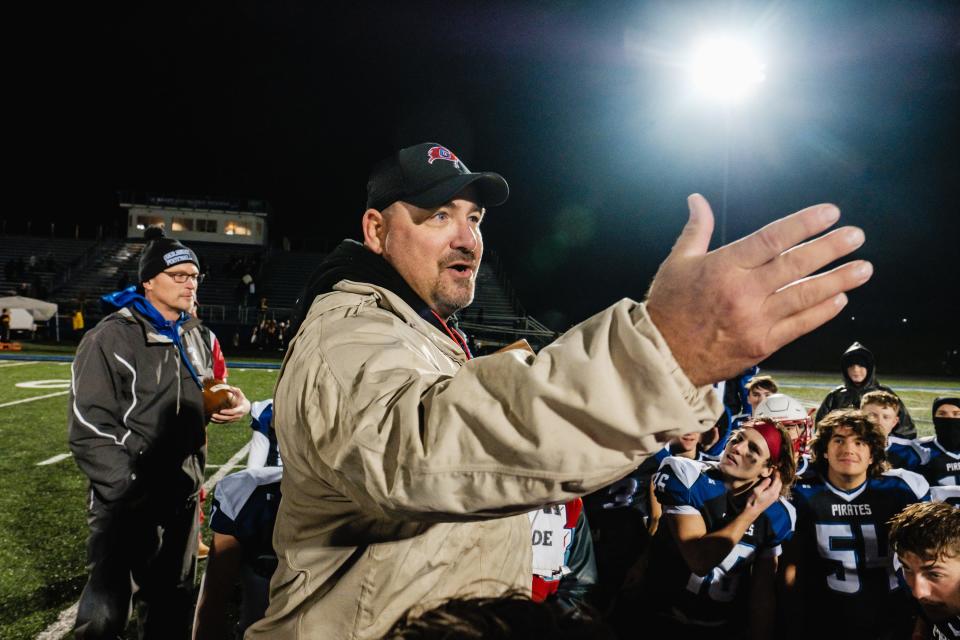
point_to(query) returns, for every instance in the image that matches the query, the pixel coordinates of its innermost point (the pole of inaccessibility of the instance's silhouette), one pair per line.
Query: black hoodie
(848, 394)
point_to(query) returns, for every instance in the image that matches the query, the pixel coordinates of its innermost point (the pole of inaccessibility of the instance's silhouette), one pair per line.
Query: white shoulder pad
(684, 469)
(916, 445)
(949, 494)
(256, 408)
(917, 483)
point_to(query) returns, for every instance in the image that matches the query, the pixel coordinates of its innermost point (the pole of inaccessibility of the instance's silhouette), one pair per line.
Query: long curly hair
(860, 424)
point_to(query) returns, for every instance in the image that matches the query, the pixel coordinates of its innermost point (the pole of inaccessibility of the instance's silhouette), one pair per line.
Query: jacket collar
(353, 262)
(387, 299)
(157, 329)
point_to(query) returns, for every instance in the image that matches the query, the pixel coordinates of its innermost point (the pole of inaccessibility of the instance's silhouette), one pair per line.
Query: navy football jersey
(946, 630)
(903, 453)
(845, 561)
(942, 468)
(684, 486)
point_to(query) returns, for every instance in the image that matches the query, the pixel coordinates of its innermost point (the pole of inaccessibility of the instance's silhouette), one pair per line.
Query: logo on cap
(177, 256)
(441, 153)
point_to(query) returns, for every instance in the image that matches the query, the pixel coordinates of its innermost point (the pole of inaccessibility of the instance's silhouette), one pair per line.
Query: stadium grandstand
(248, 280)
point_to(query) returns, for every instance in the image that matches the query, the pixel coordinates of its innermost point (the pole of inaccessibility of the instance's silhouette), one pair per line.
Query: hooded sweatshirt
(848, 394)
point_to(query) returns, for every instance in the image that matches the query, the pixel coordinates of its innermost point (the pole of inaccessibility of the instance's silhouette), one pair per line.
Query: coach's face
(437, 251)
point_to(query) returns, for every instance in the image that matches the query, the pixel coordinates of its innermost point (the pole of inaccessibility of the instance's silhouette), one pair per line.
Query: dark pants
(147, 552)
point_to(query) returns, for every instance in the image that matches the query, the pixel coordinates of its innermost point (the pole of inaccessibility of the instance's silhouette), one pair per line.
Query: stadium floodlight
(726, 70)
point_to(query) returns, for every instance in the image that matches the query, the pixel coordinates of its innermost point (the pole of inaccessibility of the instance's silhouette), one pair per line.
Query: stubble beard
(450, 298)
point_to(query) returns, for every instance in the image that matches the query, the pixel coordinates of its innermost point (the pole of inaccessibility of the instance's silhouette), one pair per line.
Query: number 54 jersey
(844, 561)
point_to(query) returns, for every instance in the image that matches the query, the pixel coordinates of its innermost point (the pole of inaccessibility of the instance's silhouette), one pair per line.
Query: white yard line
(62, 626)
(15, 364)
(56, 458)
(49, 395)
(68, 616)
(222, 471)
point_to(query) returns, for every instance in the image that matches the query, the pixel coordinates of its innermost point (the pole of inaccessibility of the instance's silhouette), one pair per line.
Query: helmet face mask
(789, 413)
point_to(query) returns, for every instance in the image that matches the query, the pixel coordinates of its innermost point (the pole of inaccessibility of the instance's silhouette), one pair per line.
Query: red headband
(771, 435)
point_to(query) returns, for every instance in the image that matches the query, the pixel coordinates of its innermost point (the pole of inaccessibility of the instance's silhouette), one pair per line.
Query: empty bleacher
(284, 274)
(73, 272)
(225, 265)
(109, 264)
(53, 258)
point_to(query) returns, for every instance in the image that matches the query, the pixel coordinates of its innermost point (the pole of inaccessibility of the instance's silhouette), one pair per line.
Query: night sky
(582, 106)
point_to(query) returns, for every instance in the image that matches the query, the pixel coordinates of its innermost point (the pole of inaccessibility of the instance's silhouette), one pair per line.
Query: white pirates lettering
(953, 466)
(850, 510)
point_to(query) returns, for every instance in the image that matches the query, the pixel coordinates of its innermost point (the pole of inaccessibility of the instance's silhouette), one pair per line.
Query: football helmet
(788, 412)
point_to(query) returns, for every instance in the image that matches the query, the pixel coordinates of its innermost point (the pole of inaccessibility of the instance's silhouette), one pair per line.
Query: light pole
(725, 72)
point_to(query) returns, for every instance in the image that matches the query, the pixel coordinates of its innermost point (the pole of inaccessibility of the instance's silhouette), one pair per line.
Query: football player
(242, 519)
(722, 527)
(839, 561)
(884, 407)
(942, 468)
(926, 539)
(624, 515)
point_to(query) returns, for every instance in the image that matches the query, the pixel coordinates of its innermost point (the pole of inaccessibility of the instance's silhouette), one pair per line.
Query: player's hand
(240, 408)
(726, 310)
(765, 493)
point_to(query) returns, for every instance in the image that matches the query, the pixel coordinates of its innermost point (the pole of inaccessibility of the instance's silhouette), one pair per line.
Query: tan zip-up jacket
(409, 470)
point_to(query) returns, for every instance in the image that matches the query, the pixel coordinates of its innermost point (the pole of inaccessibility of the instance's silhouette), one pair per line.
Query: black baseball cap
(428, 175)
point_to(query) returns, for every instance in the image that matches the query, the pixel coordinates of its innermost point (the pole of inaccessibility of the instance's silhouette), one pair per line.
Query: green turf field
(42, 526)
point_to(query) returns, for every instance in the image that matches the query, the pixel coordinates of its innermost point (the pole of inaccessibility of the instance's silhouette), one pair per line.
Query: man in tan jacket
(410, 467)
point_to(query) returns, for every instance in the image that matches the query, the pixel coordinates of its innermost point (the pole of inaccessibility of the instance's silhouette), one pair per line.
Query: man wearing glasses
(138, 431)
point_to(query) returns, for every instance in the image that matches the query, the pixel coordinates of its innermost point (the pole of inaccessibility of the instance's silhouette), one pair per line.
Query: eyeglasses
(180, 277)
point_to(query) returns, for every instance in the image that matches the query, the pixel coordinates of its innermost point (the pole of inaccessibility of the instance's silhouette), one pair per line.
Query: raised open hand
(728, 309)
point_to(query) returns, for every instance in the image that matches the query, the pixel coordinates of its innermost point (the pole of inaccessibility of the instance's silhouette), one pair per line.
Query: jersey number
(721, 583)
(846, 579)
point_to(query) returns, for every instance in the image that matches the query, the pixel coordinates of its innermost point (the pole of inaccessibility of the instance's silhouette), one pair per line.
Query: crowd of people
(398, 487)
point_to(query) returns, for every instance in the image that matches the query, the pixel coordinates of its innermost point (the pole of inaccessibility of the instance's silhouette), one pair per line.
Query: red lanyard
(454, 335)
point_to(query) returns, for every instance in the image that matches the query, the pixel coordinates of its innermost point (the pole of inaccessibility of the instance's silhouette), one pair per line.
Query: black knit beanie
(161, 253)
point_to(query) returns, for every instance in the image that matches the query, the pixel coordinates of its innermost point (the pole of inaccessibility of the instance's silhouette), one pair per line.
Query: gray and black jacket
(136, 421)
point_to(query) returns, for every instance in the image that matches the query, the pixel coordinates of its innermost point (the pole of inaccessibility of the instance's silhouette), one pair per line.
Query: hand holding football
(217, 396)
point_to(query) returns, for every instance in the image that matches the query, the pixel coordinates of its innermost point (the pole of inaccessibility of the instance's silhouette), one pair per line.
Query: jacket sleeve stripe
(133, 388)
(84, 422)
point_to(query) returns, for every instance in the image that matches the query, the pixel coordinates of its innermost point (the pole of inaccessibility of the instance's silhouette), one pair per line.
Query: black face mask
(948, 432)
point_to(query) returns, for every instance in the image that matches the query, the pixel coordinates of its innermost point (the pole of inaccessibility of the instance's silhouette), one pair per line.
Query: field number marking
(44, 384)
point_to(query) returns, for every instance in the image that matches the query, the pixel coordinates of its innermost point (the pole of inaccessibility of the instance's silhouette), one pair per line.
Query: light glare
(726, 70)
